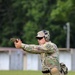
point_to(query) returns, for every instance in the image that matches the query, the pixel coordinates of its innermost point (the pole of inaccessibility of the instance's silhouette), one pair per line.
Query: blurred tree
(24, 18)
(63, 13)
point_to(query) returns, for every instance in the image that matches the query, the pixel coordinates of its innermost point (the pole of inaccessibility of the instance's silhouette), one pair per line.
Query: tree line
(24, 18)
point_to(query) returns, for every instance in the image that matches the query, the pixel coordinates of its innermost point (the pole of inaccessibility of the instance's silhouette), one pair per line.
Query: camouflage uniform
(49, 54)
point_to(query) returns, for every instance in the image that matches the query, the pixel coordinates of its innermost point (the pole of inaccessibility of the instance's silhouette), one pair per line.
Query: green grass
(27, 73)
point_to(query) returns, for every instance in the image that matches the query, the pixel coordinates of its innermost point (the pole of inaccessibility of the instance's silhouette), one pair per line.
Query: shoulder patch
(48, 46)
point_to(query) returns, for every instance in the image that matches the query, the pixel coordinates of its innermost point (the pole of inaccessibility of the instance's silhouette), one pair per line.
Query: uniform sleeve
(51, 47)
(37, 48)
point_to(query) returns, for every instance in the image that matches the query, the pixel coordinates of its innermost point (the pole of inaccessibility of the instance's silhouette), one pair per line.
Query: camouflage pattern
(44, 33)
(49, 54)
(40, 34)
(63, 69)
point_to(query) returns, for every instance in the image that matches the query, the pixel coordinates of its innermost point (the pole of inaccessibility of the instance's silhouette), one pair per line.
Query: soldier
(48, 51)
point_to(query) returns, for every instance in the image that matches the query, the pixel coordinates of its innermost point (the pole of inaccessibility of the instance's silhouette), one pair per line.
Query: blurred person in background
(48, 51)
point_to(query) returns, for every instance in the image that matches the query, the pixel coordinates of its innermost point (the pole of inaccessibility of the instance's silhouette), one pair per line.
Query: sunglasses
(39, 38)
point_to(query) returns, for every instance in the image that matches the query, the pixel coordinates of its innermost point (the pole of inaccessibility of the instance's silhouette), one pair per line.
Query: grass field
(27, 73)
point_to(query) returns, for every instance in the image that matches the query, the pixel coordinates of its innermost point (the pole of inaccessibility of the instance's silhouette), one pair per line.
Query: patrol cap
(40, 34)
(43, 33)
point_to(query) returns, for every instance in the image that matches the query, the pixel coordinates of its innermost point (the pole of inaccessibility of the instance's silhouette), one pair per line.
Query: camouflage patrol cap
(40, 34)
(44, 33)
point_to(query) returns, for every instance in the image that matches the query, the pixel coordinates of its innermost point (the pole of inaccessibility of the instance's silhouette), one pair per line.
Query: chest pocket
(43, 55)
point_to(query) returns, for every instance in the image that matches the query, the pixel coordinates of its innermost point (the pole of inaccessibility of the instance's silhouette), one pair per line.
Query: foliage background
(24, 18)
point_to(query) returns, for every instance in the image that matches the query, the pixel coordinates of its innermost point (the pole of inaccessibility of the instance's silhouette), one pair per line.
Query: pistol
(14, 39)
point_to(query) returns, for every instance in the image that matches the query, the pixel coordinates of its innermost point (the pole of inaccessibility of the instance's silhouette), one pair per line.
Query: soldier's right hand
(18, 43)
